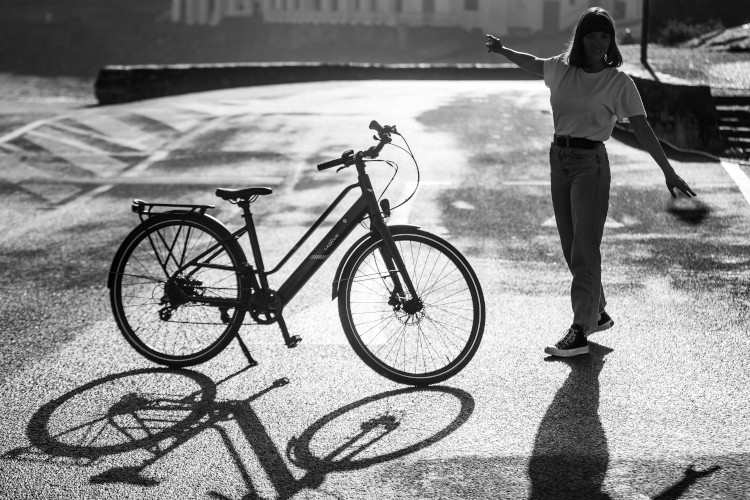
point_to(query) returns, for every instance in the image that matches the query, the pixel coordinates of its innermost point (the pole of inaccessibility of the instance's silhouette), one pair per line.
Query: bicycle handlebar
(348, 157)
(345, 157)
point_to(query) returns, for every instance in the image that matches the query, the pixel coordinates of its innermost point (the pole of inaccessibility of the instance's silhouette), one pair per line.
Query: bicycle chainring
(265, 306)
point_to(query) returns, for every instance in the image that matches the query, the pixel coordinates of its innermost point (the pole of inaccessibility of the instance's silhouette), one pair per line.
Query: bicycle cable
(408, 151)
(395, 167)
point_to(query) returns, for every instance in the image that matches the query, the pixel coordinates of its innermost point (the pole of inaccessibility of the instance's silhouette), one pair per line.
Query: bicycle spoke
(162, 283)
(410, 337)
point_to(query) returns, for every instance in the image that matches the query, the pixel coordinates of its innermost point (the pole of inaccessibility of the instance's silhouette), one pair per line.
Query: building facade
(502, 17)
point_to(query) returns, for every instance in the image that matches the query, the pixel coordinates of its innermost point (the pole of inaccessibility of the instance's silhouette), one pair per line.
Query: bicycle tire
(152, 321)
(447, 330)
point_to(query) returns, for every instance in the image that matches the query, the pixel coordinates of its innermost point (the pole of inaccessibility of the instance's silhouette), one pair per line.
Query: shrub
(676, 32)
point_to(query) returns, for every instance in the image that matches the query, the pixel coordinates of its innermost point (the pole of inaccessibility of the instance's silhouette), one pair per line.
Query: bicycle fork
(397, 271)
(391, 256)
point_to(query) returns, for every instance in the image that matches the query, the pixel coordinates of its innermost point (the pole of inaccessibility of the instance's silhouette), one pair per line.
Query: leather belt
(565, 141)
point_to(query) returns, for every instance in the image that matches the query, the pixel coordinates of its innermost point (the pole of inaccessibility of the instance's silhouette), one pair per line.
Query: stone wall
(118, 84)
(683, 115)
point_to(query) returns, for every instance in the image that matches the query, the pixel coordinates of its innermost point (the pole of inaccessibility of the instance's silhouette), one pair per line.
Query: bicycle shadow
(144, 420)
(571, 456)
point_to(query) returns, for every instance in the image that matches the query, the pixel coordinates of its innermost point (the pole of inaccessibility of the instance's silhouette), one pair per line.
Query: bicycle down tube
(365, 204)
(302, 274)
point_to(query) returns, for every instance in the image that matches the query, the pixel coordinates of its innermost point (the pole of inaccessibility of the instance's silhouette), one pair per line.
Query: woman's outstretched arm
(527, 62)
(645, 135)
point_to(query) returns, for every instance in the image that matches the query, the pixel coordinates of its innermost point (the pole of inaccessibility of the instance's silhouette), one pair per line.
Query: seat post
(254, 245)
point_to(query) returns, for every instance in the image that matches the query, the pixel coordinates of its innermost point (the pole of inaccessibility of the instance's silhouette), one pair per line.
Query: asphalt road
(659, 409)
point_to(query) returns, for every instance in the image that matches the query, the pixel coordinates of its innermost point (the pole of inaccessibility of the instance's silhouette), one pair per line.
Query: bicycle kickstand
(290, 341)
(251, 361)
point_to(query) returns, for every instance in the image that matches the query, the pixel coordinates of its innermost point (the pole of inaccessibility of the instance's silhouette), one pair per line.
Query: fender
(372, 235)
(140, 227)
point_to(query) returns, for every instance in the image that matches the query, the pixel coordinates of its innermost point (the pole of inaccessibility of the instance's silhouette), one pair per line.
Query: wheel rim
(423, 342)
(151, 301)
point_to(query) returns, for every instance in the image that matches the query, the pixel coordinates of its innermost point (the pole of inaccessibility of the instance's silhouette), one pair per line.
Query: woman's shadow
(570, 456)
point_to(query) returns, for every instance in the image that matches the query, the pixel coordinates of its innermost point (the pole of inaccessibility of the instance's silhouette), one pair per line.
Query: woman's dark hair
(593, 20)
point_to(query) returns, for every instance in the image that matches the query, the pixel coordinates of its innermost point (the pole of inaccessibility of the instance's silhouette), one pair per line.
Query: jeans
(580, 197)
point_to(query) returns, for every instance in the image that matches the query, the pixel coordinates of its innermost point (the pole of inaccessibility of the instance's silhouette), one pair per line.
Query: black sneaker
(605, 323)
(573, 343)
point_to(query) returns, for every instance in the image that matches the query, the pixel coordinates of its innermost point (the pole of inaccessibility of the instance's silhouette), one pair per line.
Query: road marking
(182, 140)
(99, 163)
(27, 128)
(739, 177)
(123, 143)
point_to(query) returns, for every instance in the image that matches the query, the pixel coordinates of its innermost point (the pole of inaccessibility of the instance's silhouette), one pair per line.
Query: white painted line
(184, 139)
(115, 126)
(739, 177)
(10, 148)
(27, 128)
(99, 163)
(68, 141)
(97, 135)
(257, 180)
(86, 197)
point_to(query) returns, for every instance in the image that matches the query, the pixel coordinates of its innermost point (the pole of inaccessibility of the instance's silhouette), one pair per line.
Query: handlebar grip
(331, 164)
(377, 127)
(338, 161)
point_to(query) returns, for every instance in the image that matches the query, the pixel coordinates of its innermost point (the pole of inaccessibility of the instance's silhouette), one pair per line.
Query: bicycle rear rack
(146, 209)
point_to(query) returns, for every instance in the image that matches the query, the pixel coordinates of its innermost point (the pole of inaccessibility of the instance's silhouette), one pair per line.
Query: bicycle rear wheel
(163, 275)
(417, 347)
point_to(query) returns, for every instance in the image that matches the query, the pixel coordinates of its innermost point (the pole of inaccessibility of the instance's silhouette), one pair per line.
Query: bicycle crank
(265, 307)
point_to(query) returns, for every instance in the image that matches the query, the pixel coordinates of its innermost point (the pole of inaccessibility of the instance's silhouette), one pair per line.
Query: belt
(565, 141)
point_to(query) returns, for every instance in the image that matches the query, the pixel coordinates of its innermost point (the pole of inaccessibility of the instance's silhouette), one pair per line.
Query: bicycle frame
(366, 204)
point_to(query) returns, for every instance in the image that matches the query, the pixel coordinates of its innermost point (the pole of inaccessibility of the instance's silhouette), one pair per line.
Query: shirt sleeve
(552, 70)
(629, 101)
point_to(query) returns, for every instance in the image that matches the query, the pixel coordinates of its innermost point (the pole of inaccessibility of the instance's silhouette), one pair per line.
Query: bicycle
(410, 304)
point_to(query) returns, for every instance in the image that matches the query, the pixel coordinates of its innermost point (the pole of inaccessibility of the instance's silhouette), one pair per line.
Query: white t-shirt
(588, 104)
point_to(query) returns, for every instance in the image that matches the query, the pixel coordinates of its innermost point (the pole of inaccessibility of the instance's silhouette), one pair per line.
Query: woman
(588, 95)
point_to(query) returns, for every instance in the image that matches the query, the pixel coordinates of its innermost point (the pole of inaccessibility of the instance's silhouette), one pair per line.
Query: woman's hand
(674, 181)
(493, 44)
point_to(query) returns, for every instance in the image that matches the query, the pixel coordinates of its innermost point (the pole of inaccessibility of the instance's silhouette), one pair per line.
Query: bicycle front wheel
(167, 277)
(413, 345)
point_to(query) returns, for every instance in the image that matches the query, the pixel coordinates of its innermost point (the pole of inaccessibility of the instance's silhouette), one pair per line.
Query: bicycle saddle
(242, 194)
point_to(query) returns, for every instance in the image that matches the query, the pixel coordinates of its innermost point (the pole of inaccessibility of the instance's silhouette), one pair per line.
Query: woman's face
(595, 45)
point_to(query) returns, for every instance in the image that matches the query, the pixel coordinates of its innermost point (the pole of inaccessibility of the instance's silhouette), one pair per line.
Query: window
(471, 4)
(334, 4)
(399, 5)
(428, 6)
(619, 11)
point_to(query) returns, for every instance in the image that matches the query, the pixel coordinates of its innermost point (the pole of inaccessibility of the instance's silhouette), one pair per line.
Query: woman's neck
(594, 66)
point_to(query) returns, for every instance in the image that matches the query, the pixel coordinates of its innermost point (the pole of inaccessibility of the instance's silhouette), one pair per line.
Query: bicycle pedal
(294, 341)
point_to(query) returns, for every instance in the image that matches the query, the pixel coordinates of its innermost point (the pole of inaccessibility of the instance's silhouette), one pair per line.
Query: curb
(120, 84)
